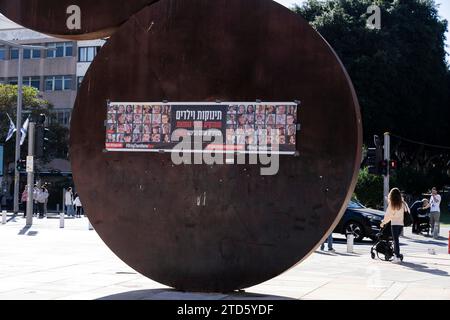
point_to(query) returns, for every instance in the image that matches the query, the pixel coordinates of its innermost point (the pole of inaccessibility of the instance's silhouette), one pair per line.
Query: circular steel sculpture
(72, 19)
(248, 228)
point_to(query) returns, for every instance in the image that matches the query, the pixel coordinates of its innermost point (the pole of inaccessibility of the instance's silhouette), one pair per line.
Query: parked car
(360, 221)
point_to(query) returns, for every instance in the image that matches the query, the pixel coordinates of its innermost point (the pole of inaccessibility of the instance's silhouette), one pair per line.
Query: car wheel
(356, 229)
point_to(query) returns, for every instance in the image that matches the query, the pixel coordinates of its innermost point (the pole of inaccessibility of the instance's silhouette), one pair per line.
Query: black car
(360, 221)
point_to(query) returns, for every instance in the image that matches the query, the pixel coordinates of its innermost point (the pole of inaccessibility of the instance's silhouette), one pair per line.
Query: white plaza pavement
(49, 263)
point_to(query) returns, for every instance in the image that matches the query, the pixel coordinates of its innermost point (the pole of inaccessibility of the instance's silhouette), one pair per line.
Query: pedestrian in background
(36, 192)
(329, 241)
(435, 213)
(24, 201)
(395, 214)
(78, 205)
(42, 199)
(68, 202)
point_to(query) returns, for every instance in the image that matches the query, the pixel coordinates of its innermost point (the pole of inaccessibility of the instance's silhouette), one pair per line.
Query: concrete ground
(49, 263)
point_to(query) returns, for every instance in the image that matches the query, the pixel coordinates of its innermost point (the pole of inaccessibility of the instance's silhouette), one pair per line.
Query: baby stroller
(383, 247)
(423, 224)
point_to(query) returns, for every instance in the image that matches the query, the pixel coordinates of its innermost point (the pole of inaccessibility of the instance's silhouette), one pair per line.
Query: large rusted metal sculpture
(223, 227)
(72, 19)
(246, 228)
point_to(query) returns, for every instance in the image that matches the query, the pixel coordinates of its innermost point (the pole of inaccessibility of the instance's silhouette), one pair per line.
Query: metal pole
(350, 243)
(18, 131)
(387, 157)
(30, 175)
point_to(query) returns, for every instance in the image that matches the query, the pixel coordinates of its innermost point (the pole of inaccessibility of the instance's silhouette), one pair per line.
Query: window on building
(60, 49)
(2, 54)
(79, 82)
(62, 117)
(14, 54)
(27, 54)
(31, 54)
(58, 83)
(87, 54)
(34, 82)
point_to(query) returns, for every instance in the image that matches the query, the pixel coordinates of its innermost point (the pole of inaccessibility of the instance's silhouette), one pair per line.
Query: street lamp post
(21, 49)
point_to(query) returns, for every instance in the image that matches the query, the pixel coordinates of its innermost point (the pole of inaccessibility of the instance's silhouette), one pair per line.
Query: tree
(399, 72)
(32, 104)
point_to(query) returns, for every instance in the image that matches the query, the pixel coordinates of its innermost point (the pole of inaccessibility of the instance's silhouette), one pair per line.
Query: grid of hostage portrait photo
(137, 124)
(262, 125)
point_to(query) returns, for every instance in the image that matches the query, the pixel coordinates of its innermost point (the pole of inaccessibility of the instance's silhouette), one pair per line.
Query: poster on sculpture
(232, 127)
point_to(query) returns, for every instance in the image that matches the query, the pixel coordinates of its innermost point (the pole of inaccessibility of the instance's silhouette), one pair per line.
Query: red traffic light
(393, 164)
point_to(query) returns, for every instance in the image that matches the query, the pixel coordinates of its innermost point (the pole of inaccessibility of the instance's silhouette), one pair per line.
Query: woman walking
(395, 215)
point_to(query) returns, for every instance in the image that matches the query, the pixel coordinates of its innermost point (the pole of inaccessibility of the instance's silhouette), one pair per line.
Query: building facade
(57, 72)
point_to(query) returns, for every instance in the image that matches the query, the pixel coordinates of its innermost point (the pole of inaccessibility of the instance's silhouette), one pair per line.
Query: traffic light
(21, 165)
(393, 165)
(42, 137)
(374, 159)
(371, 161)
(384, 167)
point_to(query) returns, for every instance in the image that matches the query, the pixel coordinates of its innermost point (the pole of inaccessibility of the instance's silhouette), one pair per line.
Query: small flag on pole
(12, 129)
(24, 131)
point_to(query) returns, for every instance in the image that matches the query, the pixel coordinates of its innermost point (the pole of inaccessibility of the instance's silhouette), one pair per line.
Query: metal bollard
(350, 243)
(4, 217)
(61, 220)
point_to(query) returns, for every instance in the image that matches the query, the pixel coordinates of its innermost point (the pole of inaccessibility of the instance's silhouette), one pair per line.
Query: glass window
(58, 83)
(34, 82)
(69, 49)
(67, 83)
(60, 49)
(2, 54)
(13, 81)
(49, 84)
(14, 53)
(87, 54)
(58, 86)
(35, 54)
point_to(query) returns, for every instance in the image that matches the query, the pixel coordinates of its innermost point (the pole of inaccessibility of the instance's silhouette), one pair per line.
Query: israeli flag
(24, 131)
(12, 129)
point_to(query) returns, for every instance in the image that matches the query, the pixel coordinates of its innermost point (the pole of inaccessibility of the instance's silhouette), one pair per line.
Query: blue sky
(444, 12)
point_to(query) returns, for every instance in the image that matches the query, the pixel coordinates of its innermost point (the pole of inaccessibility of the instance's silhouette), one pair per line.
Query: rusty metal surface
(247, 228)
(99, 18)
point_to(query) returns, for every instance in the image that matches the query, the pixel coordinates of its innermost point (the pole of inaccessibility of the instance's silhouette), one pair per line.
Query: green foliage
(399, 72)
(400, 75)
(369, 190)
(34, 104)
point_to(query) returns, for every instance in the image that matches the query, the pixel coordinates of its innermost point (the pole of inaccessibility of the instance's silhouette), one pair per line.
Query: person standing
(25, 201)
(42, 199)
(330, 244)
(68, 202)
(435, 213)
(78, 205)
(395, 214)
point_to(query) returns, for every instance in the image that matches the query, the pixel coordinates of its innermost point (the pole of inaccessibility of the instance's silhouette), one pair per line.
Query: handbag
(407, 219)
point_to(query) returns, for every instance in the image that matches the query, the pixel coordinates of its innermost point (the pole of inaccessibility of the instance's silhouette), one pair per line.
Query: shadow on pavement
(24, 232)
(170, 294)
(331, 254)
(430, 242)
(425, 269)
